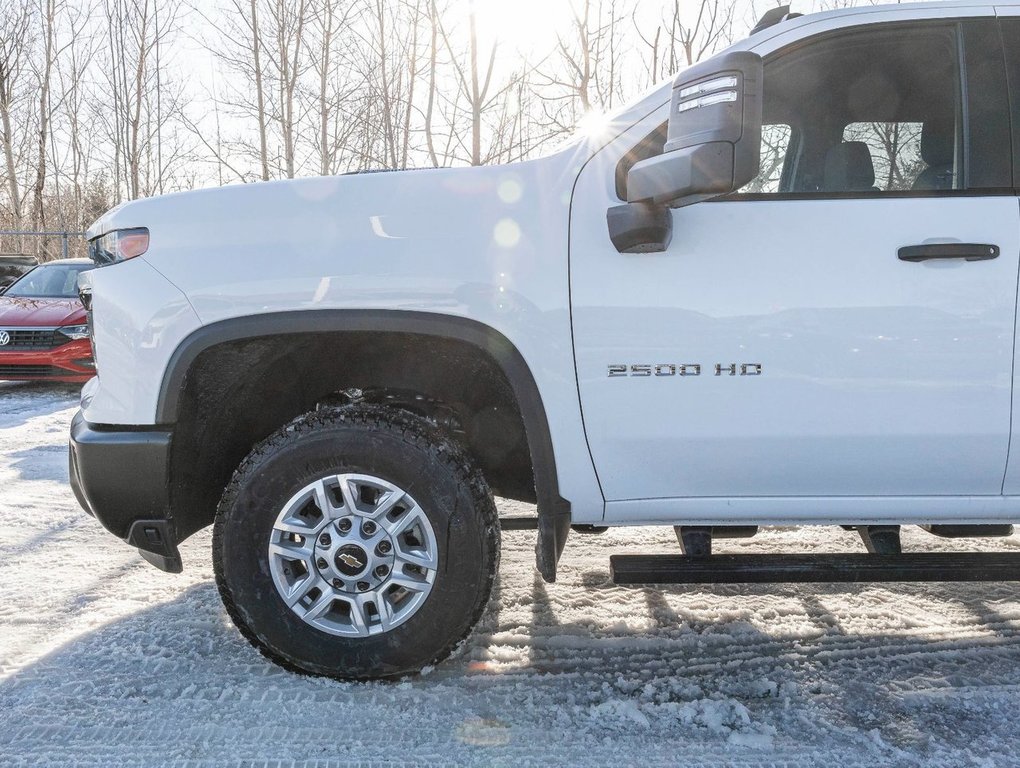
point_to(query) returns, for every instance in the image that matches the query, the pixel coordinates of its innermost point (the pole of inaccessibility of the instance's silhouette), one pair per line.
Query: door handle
(968, 251)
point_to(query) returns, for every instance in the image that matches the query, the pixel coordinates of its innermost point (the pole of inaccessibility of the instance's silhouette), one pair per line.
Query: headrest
(938, 139)
(848, 168)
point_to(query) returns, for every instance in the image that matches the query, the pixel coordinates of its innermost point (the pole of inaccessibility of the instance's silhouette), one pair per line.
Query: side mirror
(713, 140)
(640, 227)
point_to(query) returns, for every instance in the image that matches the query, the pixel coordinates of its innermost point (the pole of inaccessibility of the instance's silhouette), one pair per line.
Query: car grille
(35, 338)
(32, 371)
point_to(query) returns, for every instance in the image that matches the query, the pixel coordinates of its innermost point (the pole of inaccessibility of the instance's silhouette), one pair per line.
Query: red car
(43, 331)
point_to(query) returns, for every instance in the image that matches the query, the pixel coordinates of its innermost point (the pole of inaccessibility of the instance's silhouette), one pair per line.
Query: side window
(863, 113)
(650, 146)
(879, 111)
(775, 142)
(1011, 39)
(775, 147)
(895, 150)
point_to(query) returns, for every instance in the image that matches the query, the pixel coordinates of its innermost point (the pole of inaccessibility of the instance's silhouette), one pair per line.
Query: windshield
(50, 281)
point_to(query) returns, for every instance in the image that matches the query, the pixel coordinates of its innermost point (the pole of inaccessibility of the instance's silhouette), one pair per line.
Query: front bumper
(70, 362)
(120, 477)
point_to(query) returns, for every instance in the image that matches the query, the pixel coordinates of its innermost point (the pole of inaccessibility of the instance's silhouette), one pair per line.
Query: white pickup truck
(780, 290)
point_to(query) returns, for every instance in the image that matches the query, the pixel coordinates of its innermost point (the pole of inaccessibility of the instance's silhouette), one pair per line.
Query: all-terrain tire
(395, 446)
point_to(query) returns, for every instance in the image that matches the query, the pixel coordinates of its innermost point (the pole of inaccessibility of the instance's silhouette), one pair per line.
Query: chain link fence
(44, 246)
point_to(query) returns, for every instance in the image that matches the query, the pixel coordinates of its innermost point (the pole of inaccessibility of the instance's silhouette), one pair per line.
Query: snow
(105, 661)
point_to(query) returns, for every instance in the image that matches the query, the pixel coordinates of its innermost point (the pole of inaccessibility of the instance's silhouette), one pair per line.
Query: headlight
(119, 245)
(75, 331)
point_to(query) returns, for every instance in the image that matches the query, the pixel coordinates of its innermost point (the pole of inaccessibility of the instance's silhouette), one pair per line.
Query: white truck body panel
(487, 244)
(919, 431)
(883, 378)
(143, 319)
(817, 510)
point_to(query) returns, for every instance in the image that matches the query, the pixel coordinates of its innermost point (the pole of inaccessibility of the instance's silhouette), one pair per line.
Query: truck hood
(24, 312)
(405, 239)
(489, 243)
(358, 198)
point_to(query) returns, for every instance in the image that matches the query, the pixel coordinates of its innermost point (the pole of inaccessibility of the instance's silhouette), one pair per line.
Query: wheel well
(237, 392)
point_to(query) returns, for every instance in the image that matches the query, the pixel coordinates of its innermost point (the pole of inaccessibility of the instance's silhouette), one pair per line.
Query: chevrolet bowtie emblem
(349, 560)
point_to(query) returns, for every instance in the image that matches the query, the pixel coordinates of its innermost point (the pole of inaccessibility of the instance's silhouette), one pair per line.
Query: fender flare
(553, 510)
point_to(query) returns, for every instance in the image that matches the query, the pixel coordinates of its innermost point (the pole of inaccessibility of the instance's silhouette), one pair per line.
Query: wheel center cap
(351, 560)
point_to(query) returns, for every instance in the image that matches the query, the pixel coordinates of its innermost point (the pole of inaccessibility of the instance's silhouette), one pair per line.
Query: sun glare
(524, 24)
(593, 125)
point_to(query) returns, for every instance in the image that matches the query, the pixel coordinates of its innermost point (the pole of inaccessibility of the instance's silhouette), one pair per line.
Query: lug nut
(338, 584)
(384, 547)
(368, 528)
(363, 586)
(382, 571)
(344, 525)
(321, 564)
(324, 540)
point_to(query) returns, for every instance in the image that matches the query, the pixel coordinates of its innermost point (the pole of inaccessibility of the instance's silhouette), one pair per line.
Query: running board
(827, 568)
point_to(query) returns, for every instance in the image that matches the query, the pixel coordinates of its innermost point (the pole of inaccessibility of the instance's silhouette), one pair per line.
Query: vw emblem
(5, 338)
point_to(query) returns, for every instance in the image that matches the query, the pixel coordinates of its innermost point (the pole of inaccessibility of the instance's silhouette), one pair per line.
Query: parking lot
(106, 661)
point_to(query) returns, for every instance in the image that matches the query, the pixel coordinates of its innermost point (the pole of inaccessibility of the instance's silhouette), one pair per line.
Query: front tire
(356, 543)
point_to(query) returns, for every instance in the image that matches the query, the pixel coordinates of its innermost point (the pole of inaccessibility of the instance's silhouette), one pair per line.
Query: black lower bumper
(120, 477)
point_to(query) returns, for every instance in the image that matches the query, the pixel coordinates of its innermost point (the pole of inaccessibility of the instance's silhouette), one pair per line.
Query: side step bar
(828, 568)
(965, 531)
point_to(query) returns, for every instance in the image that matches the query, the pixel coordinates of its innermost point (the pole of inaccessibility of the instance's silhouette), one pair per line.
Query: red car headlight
(75, 332)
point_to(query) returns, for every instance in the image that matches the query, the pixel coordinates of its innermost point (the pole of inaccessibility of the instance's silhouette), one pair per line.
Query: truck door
(1010, 24)
(841, 327)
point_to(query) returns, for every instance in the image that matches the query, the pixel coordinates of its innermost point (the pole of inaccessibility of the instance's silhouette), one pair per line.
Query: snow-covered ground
(106, 661)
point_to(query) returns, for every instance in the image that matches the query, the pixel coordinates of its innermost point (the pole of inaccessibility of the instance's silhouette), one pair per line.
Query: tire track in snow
(107, 662)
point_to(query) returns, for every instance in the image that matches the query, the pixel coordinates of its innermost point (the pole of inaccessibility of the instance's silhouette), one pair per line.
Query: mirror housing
(713, 140)
(640, 227)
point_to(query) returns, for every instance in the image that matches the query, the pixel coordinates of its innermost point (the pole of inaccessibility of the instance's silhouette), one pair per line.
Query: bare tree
(433, 16)
(388, 89)
(289, 22)
(473, 66)
(48, 12)
(235, 37)
(336, 94)
(682, 37)
(585, 73)
(260, 95)
(144, 101)
(15, 42)
(72, 109)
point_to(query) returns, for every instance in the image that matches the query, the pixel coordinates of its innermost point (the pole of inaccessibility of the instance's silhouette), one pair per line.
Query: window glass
(775, 145)
(1011, 38)
(650, 146)
(895, 150)
(863, 113)
(50, 281)
(860, 113)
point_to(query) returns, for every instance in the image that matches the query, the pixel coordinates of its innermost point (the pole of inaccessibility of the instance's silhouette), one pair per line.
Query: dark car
(43, 331)
(13, 266)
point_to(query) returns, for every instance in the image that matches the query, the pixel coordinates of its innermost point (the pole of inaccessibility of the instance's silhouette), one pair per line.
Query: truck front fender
(553, 510)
